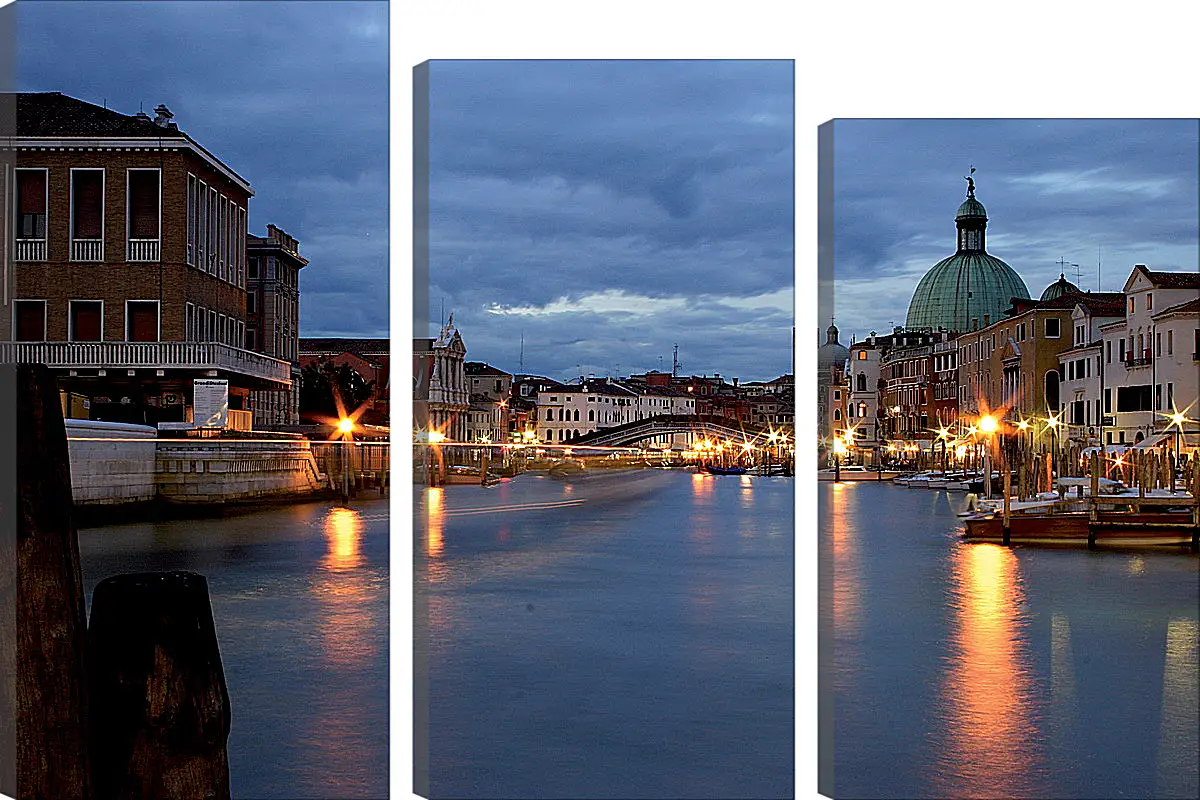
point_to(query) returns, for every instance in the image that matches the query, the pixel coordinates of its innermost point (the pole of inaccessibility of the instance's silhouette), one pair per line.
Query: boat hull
(848, 475)
(1112, 530)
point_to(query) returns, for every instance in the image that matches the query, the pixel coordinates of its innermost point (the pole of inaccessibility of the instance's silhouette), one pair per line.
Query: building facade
(1150, 361)
(127, 262)
(273, 264)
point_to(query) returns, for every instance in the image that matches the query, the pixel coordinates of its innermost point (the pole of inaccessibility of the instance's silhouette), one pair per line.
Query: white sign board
(210, 403)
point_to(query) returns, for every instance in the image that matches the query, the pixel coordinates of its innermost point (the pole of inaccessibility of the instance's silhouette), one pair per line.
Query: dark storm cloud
(565, 193)
(291, 95)
(1054, 189)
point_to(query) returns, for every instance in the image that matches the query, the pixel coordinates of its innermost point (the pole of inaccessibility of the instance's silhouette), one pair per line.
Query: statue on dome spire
(971, 183)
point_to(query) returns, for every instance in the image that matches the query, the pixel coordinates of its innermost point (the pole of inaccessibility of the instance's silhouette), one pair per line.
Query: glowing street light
(435, 437)
(987, 424)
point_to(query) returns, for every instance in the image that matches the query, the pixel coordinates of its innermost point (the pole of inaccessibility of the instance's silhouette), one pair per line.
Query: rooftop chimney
(142, 116)
(162, 115)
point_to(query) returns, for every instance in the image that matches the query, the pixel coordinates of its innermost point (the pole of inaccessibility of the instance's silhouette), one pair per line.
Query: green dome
(964, 287)
(960, 291)
(1059, 288)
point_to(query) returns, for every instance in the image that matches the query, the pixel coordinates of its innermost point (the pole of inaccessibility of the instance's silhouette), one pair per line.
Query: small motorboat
(856, 473)
(467, 476)
(566, 468)
(713, 469)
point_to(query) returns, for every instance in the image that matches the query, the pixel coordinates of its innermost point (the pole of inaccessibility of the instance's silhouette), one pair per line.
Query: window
(837, 394)
(1158, 397)
(1122, 353)
(1131, 309)
(1170, 342)
(142, 204)
(1133, 398)
(1108, 352)
(1149, 300)
(86, 321)
(1171, 395)
(576, 419)
(202, 225)
(252, 302)
(1157, 344)
(549, 414)
(29, 320)
(251, 339)
(862, 355)
(191, 219)
(189, 322)
(31, 203)
(837, 414)
(591, 413)
(1052, 328)
(87, 204)
(1108, 401)
(141, 321)
(270, 268)
(252, 268)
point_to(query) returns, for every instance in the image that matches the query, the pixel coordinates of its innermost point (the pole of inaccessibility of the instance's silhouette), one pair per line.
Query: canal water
(978, 671)
(615, 636)
(300, 600)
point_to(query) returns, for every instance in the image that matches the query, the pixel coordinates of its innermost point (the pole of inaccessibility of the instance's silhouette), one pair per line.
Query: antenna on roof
(1098, 268)
(675, 363)
(522, 352)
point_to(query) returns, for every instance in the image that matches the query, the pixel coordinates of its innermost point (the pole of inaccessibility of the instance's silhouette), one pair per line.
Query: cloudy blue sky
(291, 95)
(1053, 189)
(608, 210)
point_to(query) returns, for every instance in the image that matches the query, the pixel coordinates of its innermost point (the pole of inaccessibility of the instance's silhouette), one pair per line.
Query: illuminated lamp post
(436, 438)
(1177, 420)
(839, 449)
(1052, 422)
(988, 426)
(944, 435)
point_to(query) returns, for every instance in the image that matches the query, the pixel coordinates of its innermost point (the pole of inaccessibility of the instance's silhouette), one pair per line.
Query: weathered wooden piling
(160, 716)
(51, 697)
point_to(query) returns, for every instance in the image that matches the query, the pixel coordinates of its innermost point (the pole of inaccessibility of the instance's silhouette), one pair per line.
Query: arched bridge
(699, 426)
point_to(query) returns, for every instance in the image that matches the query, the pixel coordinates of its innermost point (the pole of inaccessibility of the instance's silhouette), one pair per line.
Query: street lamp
(839, 449)
(988, 426)
(1052, 423)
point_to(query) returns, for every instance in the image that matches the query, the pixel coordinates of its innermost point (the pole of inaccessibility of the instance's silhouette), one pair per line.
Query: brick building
(370, 358)
(125, 268)
(273, 264)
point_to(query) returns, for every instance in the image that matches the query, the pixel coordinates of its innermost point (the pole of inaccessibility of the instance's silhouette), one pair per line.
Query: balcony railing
(31, 250)
(1131, 362)
(144, 250)
(147, 355)
(87, 249)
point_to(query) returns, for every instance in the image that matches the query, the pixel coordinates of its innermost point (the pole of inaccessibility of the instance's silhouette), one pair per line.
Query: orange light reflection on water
(348, 641)
(991, 750)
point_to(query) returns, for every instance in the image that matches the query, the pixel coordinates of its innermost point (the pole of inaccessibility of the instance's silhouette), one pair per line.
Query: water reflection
(990, 748)
(345, 625)
(435, 521)
(343, 531)
(1179, 737)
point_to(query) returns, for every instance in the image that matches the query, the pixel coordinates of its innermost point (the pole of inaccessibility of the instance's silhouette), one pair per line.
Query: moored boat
(856, 474)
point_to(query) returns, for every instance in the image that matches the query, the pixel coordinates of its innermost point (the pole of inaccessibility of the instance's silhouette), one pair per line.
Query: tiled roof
(49, 114)
(359, 347)
(481, 368)
(1190, 307)
(1175, 280)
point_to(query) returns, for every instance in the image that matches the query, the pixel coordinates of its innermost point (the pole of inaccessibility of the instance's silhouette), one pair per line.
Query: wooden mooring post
(135, 707)
(160, 712)
(51, 691)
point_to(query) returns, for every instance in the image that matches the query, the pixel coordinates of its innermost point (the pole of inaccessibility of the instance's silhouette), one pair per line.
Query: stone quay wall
(111, 462)
(115, 464)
